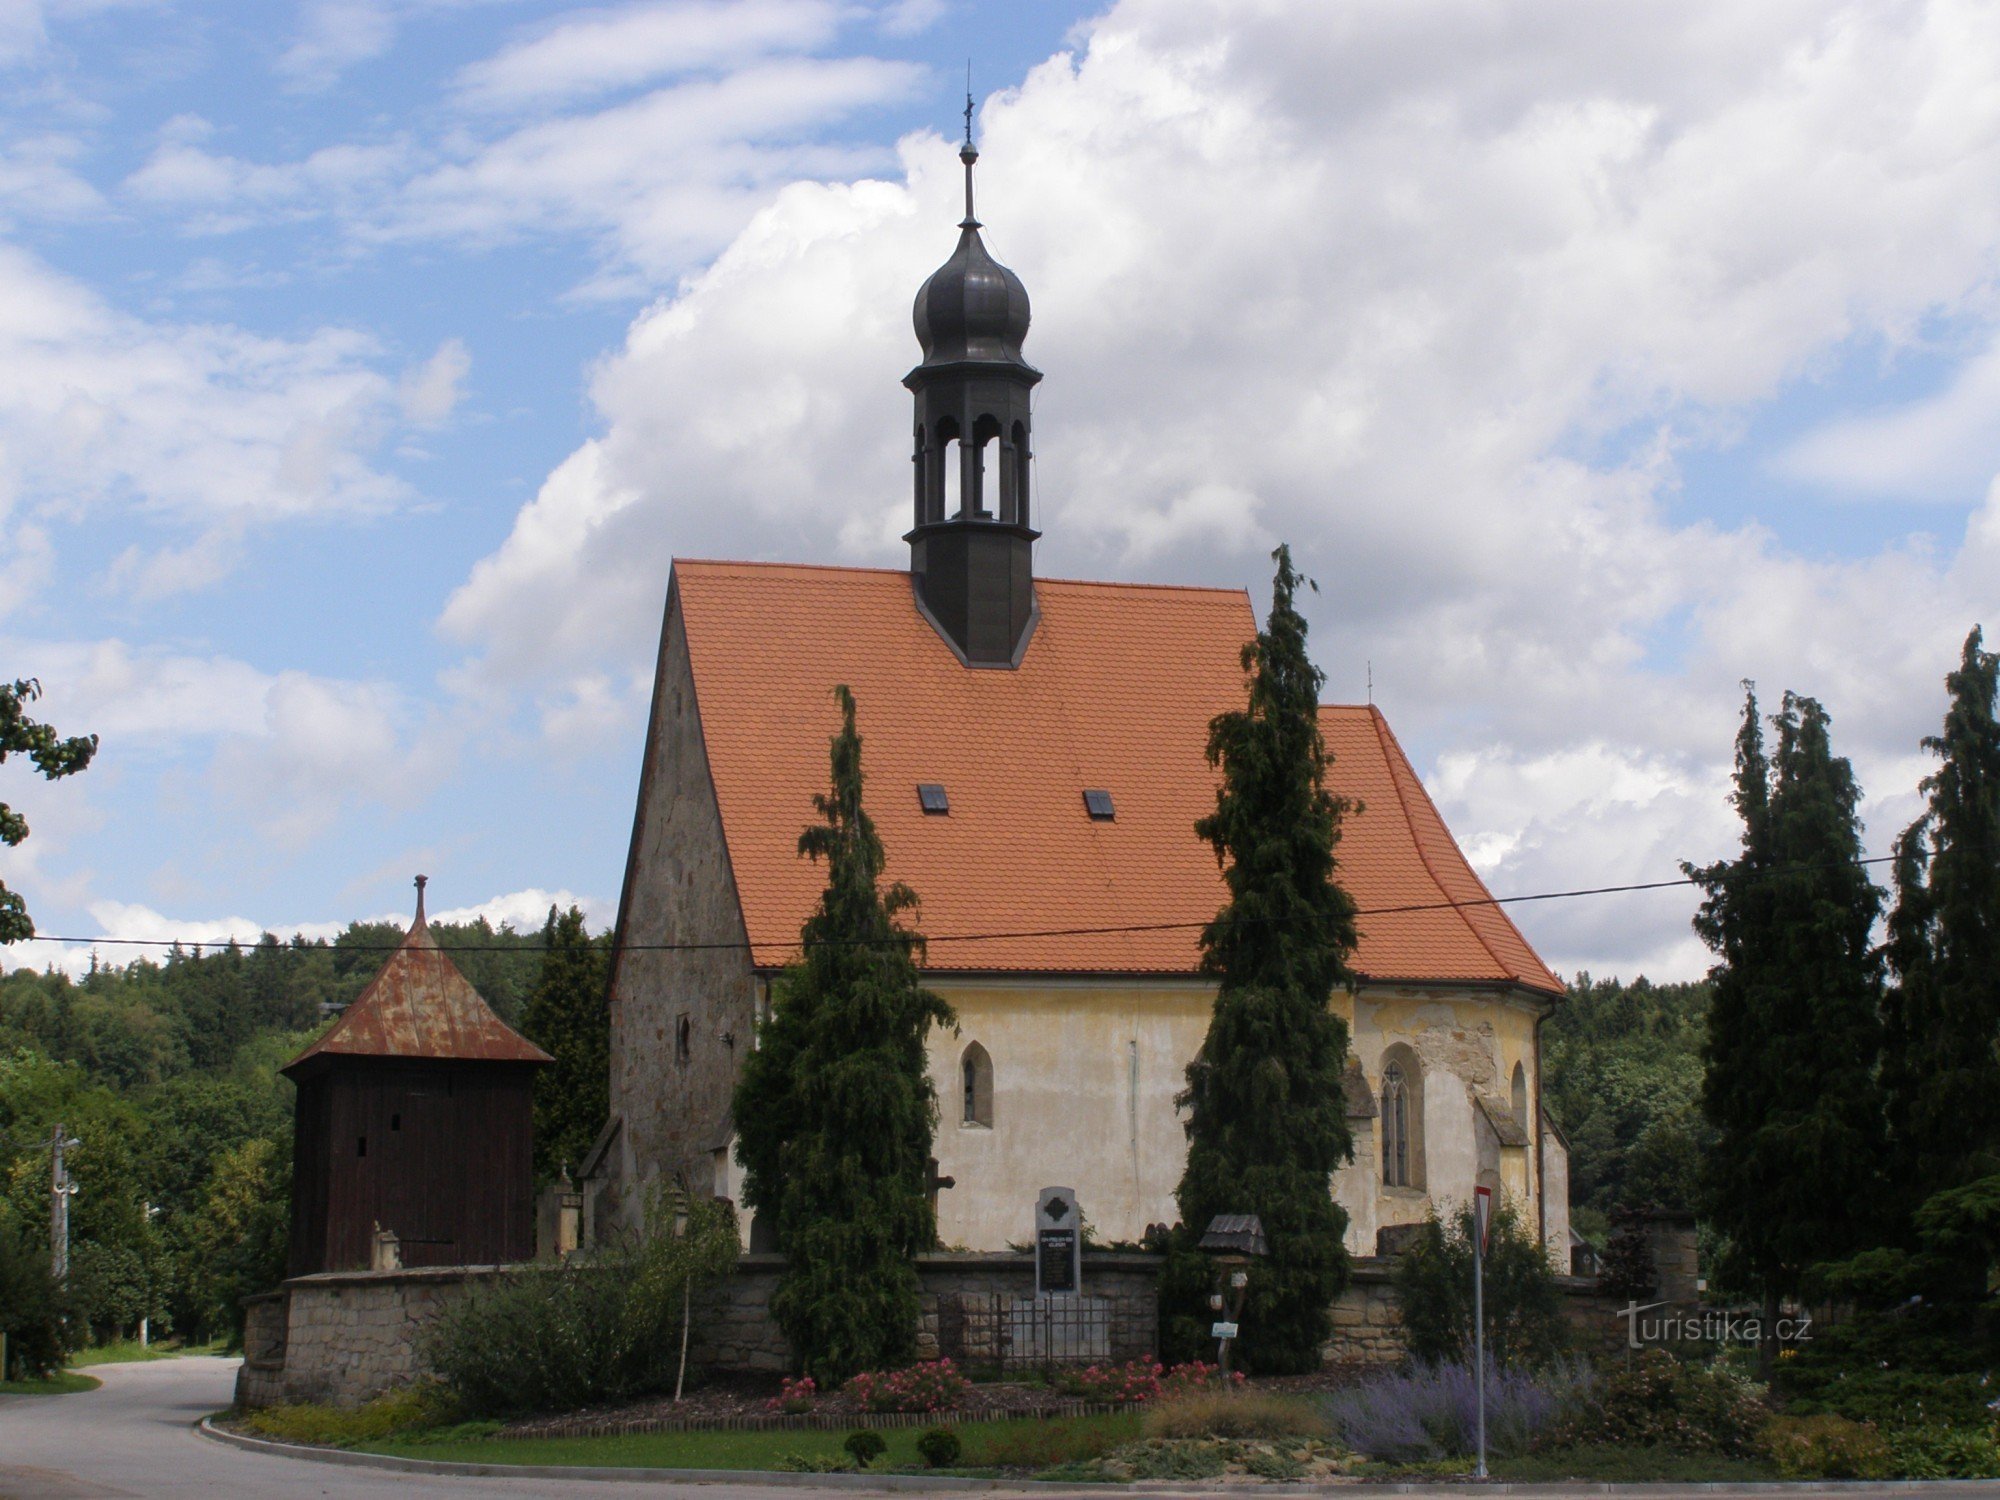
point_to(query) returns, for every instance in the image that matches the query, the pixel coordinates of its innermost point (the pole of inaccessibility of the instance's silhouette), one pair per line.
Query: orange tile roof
(1116, 692)
(421, 1007)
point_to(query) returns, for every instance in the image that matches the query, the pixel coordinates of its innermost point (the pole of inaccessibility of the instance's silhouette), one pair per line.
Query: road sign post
(1482, 1213)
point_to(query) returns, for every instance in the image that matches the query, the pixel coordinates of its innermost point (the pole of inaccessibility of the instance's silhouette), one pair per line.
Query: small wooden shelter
(415, 1118)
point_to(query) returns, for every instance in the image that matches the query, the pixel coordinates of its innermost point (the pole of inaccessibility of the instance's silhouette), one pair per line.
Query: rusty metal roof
(421, 1007)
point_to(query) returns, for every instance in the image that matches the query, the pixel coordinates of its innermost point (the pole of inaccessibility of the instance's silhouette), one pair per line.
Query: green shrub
(813, 1463)
(1894, 1398)
(1911, 1366)
(588, 1331)
(1826, 1447)
(1661, 1400)
(1937, 1452)
(406, 1410)
(33, 1306)
(1523, 1307)
(865, 1446)
(1232, 1414)
(938, 1447)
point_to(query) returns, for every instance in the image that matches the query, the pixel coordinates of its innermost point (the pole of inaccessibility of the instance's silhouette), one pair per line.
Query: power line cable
(1408, 909)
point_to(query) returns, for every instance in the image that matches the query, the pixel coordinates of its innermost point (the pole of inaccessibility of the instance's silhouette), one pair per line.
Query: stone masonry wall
(348, 1335)
(345, 1337)
(1368, 1324)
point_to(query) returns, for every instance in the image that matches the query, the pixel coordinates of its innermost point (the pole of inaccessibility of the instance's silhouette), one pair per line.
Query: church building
(1034, 755)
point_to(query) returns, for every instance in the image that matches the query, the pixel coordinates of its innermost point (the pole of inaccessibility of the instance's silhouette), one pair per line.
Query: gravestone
(1058, 1243)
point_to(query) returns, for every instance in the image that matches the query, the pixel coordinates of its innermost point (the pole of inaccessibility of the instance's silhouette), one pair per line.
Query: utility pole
(61, 1190)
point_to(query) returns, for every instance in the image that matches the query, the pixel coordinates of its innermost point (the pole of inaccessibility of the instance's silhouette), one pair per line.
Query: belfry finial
(968, 153)
(422, 881)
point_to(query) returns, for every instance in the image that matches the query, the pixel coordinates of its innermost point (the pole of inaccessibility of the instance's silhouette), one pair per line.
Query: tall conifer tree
(835, 1111)
(569, 1017)
(1267, 1122)
(1794, 1027)
(1943, 1013)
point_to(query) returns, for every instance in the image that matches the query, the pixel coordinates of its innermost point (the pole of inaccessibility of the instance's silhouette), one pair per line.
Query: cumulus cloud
(655, 130)
(201, 428)
(602, 51)
(1433, 292)
(335, 35)
(430, 392)
(528, 909)
(1940, 448)
(288, 750)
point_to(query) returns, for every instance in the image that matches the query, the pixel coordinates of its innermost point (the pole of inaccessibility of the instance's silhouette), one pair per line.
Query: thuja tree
(835, 1112)
(569, 1017)
(1267, 1124)
(1943, 1011)
(1793, 1027)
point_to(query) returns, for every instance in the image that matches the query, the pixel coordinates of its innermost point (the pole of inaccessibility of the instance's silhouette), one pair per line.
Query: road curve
(136, 1437)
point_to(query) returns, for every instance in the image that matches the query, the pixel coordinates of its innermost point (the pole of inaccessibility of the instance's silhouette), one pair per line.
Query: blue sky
(370, 359)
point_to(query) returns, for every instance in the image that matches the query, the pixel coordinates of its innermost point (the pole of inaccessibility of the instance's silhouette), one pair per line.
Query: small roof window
(930, 795)
(1098, 804)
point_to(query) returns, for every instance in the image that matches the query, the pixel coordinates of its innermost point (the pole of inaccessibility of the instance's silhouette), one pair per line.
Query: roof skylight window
(933, 799)
(1098, 804)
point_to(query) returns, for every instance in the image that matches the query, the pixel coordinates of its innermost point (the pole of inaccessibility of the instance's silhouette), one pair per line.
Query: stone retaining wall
(344, 1337)
(1368, 1323)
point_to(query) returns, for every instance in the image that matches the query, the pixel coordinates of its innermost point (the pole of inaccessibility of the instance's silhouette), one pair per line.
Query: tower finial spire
(968, 153)
(422, 881)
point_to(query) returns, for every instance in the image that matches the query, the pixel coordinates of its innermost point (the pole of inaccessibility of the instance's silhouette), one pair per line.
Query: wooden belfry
(415, 1117)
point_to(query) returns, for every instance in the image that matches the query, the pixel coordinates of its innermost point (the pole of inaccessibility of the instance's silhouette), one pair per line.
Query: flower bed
(932, 1386)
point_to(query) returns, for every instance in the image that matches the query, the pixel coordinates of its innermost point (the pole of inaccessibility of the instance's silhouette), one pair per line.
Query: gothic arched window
(975, 1074)
(1520, 1099)
(1402, 1119)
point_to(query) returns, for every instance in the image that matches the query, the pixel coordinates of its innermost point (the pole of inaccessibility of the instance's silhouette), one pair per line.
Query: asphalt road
(136, 1437)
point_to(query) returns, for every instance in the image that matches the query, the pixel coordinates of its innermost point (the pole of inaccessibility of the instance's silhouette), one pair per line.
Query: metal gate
(1012, 1332)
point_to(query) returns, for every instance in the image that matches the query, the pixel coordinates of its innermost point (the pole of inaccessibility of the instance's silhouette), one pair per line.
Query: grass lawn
(1024, 1443)
(128, 1351)
(1631, 1465)
(62, 1383)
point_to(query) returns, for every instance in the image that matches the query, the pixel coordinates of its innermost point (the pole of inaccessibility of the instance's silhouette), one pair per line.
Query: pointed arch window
(975, 1078)
(1402, 1116)
(1520, 1098)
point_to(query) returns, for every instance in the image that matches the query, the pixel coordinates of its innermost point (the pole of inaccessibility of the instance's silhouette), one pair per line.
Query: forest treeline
(1622, 1071)
(166, 1072)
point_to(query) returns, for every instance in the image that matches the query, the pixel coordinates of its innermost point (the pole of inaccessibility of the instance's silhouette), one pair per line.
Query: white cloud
(527, 910)
(430, 392)
(36, 181)
(188, 426)
(335, 36)
(601, 51)
(1940, 448)
(1367, 278)
(289, 751)
(323, 747)
(128, 930)
(666, 178)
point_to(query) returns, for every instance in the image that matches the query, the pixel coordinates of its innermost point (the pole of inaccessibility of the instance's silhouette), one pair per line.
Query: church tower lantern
(971, 549)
